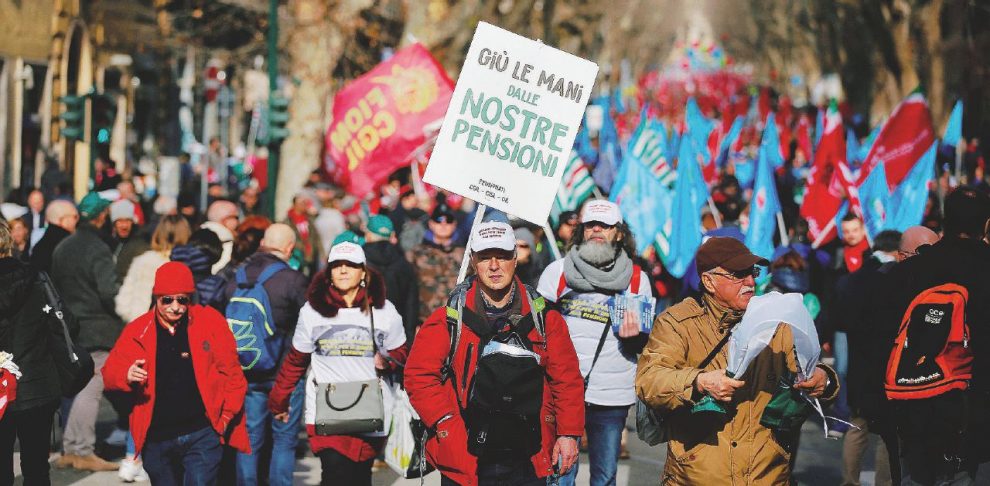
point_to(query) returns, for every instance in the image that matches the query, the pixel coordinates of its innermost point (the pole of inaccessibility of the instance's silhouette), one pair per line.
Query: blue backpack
(249, 315)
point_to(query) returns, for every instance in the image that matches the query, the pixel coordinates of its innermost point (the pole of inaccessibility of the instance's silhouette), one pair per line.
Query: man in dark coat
(942, 436)
(26, 331)
(401, 287)
(286, 290)
(62, 217)
(855, 291)
(84, 274)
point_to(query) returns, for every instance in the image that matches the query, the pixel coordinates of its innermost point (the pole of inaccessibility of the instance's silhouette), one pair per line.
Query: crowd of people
(219, 335)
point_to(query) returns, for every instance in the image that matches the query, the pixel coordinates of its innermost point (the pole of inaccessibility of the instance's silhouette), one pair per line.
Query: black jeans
(937, 443)
(339, 470)
(503, 471)
(34, 429)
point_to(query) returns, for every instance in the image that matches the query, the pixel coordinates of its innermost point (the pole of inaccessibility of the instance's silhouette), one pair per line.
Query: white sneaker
(132, 470)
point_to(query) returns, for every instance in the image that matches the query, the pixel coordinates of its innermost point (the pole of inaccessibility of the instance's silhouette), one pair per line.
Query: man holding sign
(585, 286)
(495, 378)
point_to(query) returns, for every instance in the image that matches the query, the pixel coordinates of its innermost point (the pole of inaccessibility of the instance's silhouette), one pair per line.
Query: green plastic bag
(788, 409)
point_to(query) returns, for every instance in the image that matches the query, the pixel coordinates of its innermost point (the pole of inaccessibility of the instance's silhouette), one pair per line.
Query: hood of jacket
(326, 300)
(17, 277)
(383, 254)
(196, 259)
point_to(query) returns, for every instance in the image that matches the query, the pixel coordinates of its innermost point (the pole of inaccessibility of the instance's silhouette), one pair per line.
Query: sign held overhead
(511, 123)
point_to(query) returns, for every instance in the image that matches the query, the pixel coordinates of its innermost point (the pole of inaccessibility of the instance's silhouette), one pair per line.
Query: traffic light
(74, 116)
(104, 113)
(278, 117)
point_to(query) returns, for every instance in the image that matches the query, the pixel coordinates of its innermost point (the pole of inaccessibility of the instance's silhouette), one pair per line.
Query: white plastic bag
(402, 449)
(764, 313)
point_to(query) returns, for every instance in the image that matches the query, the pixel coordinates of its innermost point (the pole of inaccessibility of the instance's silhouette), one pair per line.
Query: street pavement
(818, 463)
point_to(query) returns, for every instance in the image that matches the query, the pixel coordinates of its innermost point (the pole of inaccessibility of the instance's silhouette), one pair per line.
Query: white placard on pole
(511, 123)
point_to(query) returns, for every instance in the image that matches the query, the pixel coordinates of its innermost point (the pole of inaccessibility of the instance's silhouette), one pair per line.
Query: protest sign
(511, 123)
(379, 118)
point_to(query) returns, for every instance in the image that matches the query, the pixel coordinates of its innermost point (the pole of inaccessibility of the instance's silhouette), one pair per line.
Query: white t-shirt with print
(342, 351)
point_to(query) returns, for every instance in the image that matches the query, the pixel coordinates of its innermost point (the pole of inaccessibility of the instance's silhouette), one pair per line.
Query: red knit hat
(173, 278)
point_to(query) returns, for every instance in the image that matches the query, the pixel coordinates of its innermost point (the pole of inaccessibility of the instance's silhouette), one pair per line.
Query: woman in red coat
(179, 362)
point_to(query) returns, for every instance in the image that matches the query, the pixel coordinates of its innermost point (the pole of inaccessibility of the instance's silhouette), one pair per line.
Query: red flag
(828, 182)
(804, 136)
(708, 170)
(379, 118)
(904, 138)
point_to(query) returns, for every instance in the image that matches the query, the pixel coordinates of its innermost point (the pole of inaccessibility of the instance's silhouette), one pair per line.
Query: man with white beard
(598, 267)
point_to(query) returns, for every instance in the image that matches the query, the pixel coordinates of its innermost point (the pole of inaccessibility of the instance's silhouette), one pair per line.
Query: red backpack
(931, 354)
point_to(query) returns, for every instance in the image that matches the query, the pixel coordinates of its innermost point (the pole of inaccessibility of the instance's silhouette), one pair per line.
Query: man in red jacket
(180, 363)
(472, 440)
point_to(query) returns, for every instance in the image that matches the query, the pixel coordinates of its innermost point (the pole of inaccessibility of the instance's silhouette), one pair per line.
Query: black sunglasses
(168, 299)
(741, 274)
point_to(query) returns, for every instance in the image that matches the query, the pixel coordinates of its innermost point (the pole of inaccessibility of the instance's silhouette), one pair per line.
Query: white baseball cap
(122, 209)
(601, 210)
(493, 234)
(348, 252)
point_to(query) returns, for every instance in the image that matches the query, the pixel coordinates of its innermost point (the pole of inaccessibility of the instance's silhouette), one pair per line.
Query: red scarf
(853, 255)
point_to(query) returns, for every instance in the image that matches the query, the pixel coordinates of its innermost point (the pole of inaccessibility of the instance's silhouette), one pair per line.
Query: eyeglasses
(168, 299)
(741, 274)
(444, 219)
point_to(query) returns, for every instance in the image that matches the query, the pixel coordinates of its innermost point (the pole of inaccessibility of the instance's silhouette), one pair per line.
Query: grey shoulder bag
(351, 407)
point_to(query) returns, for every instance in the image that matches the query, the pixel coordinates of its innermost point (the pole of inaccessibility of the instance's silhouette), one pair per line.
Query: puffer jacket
(563, 389)
(134, 297)
(26, 331)
(709, 448)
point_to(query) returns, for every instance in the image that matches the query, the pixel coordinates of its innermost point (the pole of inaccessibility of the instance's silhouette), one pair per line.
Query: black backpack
(506, 393)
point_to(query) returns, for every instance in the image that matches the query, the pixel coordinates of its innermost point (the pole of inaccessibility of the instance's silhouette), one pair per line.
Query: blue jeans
(604, 428)
(190, 460)
(284, 436)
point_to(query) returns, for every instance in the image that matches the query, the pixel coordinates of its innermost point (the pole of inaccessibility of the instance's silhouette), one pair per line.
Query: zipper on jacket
(467, 363)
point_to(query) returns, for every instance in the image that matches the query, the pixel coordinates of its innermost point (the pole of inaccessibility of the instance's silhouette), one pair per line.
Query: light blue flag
(852, 147)
(699, 126)
(644, 201)
(874, 198)
(680, 235)
(648, 145)
(609, 150)
(730, 139)
(908, 201)
(674, 142)
(819, 128)
(864, 149)
(764, 205)
(771, 143)
(953, 130)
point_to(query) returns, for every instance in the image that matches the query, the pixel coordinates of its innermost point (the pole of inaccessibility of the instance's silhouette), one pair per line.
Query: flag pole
(784, 241)
(597, 192)
(478, 215)
(821, 236)
(552, 238)
(714, 210)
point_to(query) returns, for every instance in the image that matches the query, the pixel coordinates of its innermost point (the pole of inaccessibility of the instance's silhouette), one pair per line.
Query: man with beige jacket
(672, 376)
